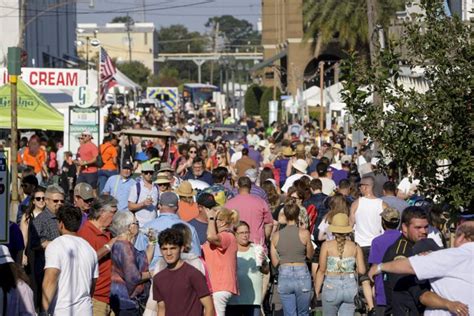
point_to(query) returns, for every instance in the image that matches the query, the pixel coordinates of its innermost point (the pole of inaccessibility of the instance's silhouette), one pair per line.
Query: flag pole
(98, 78)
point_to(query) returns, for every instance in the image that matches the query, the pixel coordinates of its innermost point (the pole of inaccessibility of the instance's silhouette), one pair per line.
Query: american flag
(107, 72)
(107, 68)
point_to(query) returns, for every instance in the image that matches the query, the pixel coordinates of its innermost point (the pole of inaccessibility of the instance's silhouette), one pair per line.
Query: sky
(192, 13)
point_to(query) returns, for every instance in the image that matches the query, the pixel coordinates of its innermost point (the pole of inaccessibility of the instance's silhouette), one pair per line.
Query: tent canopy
(34, 112)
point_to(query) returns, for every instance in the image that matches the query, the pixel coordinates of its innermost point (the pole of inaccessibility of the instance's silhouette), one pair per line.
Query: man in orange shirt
(34, 157)
(108, 151)
(86, 159)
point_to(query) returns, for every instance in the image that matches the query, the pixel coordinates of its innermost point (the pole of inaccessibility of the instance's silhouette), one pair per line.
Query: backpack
(139, 188)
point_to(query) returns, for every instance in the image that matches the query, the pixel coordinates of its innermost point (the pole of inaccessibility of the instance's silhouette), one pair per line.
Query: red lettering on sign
(60, 79)
(50, 79)
(33, 78)
(43, 76)
(71, 79)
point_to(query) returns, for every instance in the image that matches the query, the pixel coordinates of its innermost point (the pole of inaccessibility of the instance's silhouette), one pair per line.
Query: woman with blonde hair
(339, 261)
(220, 253)
(290, 248)
(337, 204)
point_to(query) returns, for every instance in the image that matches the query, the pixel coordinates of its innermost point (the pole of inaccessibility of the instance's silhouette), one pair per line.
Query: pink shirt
(253, 210)
(222, 263)
(88, 152)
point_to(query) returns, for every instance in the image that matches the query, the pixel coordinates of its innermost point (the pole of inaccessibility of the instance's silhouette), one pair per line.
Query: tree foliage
(236, 32)
(430, 133)
(123, 19)
(136, 71)
(346, 21)
(252, 100)
(267, 96)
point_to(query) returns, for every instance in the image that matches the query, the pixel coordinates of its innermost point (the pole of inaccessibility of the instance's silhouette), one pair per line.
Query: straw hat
(338, 147)
(300, 165)
(162, 178)
(185, 189)
(287, 151)
(340, 224)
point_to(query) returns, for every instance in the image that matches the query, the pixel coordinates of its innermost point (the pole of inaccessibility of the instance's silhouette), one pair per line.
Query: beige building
(114, 38)
(285, 53)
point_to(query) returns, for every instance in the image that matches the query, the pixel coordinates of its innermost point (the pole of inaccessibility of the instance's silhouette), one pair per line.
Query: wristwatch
(212, 218)
(379, 268)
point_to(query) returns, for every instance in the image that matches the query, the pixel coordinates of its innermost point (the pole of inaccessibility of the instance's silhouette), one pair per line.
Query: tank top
(341, 265)
(290, 248)
(368, 223)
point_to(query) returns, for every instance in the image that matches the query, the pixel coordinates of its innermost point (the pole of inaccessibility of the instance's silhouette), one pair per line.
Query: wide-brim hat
(162, 178)
(185, 189)
(337, 146)
(340, 224)
(165, 166)
(300, 165)
(287, 151)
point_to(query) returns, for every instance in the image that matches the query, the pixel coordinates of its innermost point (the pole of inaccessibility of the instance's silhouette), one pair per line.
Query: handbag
(359, 300)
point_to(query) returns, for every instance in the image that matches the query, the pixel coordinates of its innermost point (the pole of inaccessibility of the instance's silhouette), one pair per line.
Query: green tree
(430, 133)
(136, 71)
(252, 100)
(267, 96)
(238, 33)
(346, 21)
(123, 19)
(168, 77)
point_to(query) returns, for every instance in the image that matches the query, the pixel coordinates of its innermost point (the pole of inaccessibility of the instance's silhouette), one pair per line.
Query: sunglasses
(148, 172)
(193, 152)
(39, 198)
(89, 201)
(58, 201)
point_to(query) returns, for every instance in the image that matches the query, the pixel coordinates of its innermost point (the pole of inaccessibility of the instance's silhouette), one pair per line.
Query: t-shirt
(250, 279)
(243, 164)
(108, 152)
(222, 263)
(88, 152)
(379, 246)
(36, 161)
(328, 186)
(450, 274)
(185, 285)
(201, 229)
(97, 239)
(187, 211)
(20, 300)
(291, 179)
(253, 210)
(148, 213)
(77, 262)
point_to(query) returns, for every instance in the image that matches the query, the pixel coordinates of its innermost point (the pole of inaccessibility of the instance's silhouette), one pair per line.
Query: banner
(49, 78)
(81, 119)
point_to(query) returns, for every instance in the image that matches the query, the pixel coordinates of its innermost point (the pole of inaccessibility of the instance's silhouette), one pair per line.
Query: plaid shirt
(46, 227)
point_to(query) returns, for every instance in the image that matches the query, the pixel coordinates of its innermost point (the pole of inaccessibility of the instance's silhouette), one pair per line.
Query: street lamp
(94, 42)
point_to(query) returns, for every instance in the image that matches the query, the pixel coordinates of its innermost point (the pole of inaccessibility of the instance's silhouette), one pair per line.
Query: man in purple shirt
(380, 244)
(252, 174)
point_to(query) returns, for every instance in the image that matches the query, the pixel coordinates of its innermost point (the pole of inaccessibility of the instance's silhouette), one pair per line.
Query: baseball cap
(84, 190)
(147, 167)
(207, 200)
(346, 159)
(169, 199)
(390, 215)
(127, 164)
(5, 256)
(252, 174)
(87, 132)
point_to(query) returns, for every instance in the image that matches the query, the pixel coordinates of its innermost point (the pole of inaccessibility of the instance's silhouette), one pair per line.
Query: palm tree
(345, 20)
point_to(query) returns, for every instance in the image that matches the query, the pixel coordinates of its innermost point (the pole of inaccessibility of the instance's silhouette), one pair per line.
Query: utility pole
(216, 34)
(372, 37)
(321, 91)
(129, 38)
(144, 11)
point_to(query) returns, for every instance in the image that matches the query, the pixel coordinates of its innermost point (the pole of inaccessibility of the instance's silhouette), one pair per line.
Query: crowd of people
(284, 218)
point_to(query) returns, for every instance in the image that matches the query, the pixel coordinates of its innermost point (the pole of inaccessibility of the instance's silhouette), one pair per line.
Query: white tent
(312, 95)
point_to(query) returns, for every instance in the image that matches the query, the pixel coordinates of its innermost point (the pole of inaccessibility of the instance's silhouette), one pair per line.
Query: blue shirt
(162, 222)
(379, 246)
(282, 164)
(206, 177)
(119, 188)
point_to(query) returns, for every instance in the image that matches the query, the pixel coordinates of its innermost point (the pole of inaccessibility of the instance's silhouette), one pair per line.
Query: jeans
(103, 175)
(294, 287)
(338, 295)
(90, 178)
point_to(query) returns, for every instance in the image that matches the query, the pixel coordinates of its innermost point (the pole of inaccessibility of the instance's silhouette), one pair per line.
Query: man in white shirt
(328, 184)
(144, 195)
(449, 272)
(300, 165)
(252, 138)
(71, 269)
